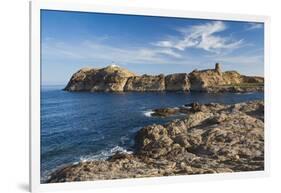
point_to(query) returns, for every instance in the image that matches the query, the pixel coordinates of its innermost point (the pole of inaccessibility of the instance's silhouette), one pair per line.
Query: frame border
(35, 81)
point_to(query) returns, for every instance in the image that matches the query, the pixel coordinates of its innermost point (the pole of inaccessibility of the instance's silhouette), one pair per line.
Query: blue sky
(146, 45)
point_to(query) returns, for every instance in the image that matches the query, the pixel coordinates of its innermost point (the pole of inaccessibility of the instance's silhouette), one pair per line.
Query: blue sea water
(78, 126)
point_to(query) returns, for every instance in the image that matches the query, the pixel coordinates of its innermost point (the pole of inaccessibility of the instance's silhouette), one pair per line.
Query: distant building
(218, 69)
(113, 65)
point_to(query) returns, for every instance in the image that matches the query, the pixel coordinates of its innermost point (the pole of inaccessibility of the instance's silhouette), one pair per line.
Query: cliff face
(201, 80)
(214, 80)
(207, 79)
(116, 79)
(80, 81)
(253, 79)
(177, 82)
(109, 79)
(145, 83)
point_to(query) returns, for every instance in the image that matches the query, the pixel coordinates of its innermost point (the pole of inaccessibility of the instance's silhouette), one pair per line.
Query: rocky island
(114, 78)
(211, 138)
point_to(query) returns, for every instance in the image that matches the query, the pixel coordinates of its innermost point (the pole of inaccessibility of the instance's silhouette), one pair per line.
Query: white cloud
(96, 50)
(253, 26)
(99, 54)
(202, 36)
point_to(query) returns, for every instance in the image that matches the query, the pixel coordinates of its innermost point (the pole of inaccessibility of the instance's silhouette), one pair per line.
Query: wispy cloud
(171, 51)
(97, 50)
(253, 26)
(204, 37)
(92, 51)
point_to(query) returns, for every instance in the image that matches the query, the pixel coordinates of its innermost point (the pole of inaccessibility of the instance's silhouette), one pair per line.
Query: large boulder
(165, 112)
(145, 83)
(221, 132)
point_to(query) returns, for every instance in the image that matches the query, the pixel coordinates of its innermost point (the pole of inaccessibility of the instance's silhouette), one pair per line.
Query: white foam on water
(186, 107)
(244, 93)
(103, 155)
(123, 139)
(148, 113)
(135, 129)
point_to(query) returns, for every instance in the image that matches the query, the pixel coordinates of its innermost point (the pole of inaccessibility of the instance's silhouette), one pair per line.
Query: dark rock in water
(194, 107)
(164, 112)
(211, 138)
(116, 79)
(185, 109)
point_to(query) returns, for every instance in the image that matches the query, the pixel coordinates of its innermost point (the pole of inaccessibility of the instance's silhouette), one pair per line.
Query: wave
(186, 106)
(135, 129)
(148, 113)
(244, 93)
(103, 155)
(124, 139)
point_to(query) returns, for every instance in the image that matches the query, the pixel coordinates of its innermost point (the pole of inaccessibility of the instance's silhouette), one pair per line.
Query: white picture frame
(36, 6)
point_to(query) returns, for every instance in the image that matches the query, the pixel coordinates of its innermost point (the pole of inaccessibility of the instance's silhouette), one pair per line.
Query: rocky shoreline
(210, 138)
(113, 78)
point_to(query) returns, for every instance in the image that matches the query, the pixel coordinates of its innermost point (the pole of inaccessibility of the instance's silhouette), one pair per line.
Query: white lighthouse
(113, 65)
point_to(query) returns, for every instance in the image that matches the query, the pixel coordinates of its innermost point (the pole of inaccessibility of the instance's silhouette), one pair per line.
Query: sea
(82, 126)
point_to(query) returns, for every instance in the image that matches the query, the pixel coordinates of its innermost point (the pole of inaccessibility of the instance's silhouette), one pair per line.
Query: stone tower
(218, 69)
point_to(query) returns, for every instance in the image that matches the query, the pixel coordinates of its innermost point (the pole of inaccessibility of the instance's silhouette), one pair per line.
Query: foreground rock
(212, 138)
(116, 79)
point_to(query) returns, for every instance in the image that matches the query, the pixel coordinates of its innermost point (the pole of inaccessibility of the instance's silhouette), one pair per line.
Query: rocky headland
(209, 138)
(114, 78)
